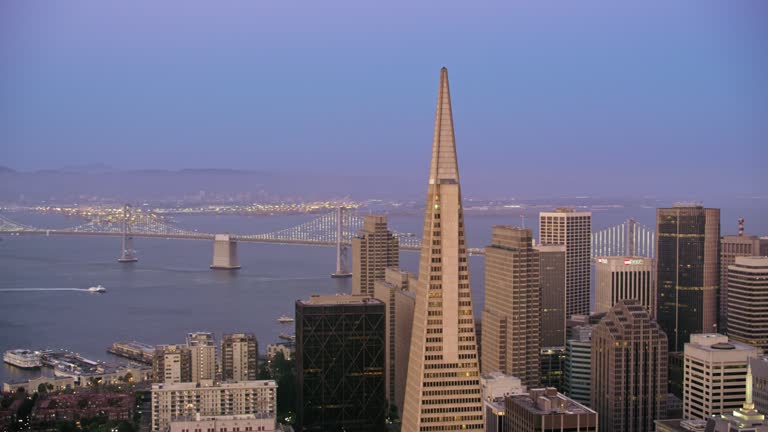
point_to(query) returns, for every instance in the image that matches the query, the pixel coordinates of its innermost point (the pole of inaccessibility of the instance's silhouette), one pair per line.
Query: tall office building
(574, 231)
(202, 348)
(544, 409)
(629, 369)
(732, 246)
(687, 271)
(757, 382)
(184, 401)
(172, 364)
(578, 366)
(399, 302)
(340, 364)
(443, 386)
(511, 317)
(552, 289)
(748, 301)
(239, 357)
(715, 380)
(618, 278)
(373, 250)
(552, 367)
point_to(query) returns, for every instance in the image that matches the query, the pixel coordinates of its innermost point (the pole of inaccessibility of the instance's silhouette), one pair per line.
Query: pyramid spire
(442, 386)
(444, 164)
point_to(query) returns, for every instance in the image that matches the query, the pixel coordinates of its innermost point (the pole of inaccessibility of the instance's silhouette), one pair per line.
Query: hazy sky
(657, 97)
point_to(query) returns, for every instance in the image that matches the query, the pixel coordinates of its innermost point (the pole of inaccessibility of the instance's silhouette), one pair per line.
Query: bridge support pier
(224, 253)
(128, 254)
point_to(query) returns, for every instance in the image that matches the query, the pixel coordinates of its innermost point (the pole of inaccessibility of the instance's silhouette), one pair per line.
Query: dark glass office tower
(340, 364)
(687, 270)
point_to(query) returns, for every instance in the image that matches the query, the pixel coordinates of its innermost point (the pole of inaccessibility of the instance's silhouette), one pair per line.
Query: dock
(132, 350)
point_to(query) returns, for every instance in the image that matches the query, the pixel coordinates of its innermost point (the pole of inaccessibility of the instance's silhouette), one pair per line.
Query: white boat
(97, 289)
(285, 319)
(23, 358)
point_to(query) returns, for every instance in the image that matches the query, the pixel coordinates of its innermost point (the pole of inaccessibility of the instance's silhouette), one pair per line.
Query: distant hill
(86, 182)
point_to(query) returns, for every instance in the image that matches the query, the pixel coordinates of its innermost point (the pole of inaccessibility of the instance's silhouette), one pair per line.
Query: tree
(284, 372)
(42, 388)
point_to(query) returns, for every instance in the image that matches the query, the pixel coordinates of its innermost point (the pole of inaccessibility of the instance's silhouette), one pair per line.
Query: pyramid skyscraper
(443, 386)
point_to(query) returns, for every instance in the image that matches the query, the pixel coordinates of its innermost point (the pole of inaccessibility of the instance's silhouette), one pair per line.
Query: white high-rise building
(203, 352)
(239, 357)
(573, 230)
(732, 246)
(748, 301)
(249, 422)
(623, 278)
(172, 364)
(186, 400)
(715, 375)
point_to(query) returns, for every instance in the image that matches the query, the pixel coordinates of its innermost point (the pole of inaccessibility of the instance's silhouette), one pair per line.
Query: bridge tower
(128, 254)
(342, 246)
(631, 235)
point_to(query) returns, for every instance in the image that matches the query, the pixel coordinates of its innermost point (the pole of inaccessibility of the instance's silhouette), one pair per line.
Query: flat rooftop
(340, 299)
(560, 404)
(716, 342)
(678, 425)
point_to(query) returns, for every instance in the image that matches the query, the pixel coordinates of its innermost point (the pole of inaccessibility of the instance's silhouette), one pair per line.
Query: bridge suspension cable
(629, 238)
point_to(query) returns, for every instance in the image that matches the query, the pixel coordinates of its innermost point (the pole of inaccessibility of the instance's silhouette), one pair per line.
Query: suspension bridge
(334, 229)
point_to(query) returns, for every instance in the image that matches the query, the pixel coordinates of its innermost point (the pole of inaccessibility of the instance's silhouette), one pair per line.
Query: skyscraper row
(417, 342)
(196, 361)
(189, 394)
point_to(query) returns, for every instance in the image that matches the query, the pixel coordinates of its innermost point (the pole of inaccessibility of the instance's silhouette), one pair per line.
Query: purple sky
(666, 98)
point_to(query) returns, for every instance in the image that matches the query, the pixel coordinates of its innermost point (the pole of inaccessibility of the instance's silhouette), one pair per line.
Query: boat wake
(42, 289)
